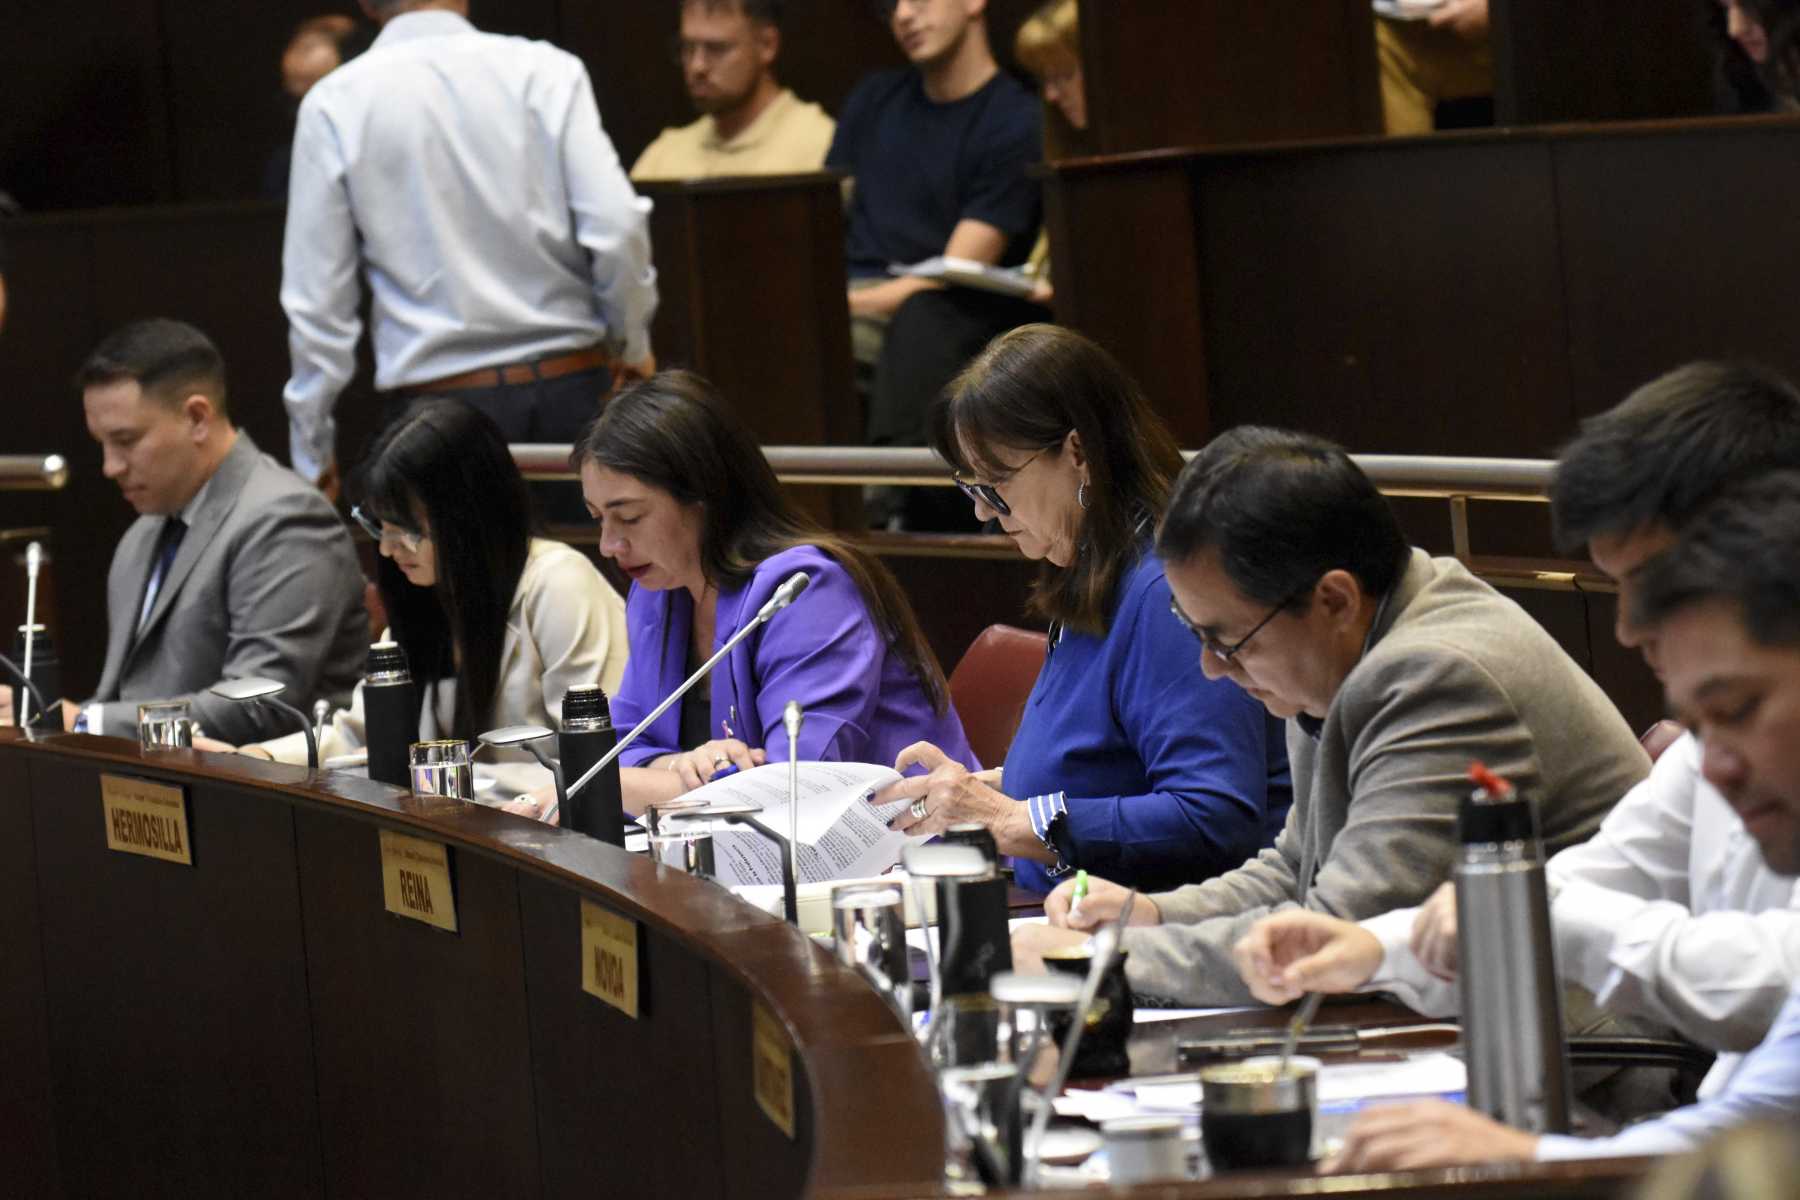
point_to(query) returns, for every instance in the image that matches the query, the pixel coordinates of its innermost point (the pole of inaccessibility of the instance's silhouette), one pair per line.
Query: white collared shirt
(1667, 912)
(468, 177)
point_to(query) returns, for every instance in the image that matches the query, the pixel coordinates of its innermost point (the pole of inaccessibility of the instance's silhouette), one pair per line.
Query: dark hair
(452, 462)
(760, 12)
(1743, 547)
(673, 433)
(1741, 84)
(1658, 455)
(1027, 391)
(169, 360)
(1282, 509)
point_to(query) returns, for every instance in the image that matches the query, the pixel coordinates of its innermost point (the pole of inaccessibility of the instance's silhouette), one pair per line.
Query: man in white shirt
(749, 124)
(467, 176)
(1670, 911)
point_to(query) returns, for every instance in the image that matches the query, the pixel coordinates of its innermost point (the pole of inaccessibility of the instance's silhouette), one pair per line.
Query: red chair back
(991, 685)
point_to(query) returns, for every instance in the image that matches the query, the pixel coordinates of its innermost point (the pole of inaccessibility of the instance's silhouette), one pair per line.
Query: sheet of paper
(1150, 1016)
(842, 836)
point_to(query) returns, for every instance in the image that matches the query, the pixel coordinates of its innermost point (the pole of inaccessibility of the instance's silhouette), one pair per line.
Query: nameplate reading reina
(609, 957)
(146, 818)
(772, 1068)
(415, 880)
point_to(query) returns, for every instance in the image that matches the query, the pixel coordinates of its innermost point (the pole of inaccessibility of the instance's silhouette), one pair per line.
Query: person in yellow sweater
(749, 124)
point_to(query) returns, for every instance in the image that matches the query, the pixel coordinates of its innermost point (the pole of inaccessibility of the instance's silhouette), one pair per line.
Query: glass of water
(165, 725)
(442, 768)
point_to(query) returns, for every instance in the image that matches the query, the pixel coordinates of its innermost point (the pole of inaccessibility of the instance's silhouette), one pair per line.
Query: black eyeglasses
(1226, 654)
(986, 493)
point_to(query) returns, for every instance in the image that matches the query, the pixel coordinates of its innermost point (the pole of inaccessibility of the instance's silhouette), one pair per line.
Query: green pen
(1080, 893)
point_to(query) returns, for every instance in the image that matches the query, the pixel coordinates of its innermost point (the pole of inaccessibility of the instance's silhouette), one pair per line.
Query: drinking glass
(442, 768)
(165, 725)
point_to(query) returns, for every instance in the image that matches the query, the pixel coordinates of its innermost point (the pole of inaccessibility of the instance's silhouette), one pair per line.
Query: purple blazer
(861, 700)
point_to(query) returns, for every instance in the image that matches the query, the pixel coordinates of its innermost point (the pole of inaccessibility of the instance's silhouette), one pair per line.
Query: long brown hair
(672, 432)
(1026, 392)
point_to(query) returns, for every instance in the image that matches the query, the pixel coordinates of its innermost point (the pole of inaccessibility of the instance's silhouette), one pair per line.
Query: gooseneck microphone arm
(34, 558)
(312, 742)
(12, 668)
(784, 595)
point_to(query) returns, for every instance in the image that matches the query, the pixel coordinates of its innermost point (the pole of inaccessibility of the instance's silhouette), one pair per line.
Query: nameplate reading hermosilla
(146, 818)
(415, 880)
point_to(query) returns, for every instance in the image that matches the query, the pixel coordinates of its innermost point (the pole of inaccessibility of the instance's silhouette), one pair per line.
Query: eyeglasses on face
(988, 494)
(1226, 653)
(410, 539)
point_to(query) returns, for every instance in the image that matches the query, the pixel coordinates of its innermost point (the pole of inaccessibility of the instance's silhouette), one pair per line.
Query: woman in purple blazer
(690, 510)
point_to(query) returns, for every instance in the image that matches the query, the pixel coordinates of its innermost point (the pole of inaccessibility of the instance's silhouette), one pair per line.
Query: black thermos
(977, 945)
(390, 713)
(46, 672)
(587, 734)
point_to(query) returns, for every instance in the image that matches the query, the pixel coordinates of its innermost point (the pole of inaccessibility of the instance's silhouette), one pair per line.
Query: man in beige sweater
(1396, 671)
(749, 124)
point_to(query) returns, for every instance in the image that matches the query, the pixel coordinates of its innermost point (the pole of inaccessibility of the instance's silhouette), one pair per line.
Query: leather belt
(553, 367)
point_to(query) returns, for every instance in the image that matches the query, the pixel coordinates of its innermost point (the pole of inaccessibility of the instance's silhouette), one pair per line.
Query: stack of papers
(1343, 1087)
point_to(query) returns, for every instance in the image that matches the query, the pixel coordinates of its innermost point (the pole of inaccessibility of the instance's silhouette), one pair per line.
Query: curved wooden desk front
(257, 1024)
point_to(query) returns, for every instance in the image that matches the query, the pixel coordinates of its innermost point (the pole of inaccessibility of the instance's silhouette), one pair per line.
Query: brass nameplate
(609, 957)
(772, 1068)
(415, 880)
(146, 818)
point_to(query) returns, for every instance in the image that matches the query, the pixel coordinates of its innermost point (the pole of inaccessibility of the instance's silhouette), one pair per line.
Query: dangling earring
(1081, 494)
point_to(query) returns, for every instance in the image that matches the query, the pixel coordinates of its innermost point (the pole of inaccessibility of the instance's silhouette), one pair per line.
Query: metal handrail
(1430, 476)
(33, 472)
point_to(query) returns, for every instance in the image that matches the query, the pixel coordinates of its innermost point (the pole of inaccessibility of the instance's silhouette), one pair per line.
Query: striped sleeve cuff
(1045, 811)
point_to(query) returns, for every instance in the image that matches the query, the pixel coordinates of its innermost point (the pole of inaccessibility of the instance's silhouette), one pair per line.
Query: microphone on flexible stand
(791, 716)
(34, 559)
(784, 595)
(12, 668)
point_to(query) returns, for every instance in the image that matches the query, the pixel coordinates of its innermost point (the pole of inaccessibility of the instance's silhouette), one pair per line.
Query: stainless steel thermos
(1511, 997)
(587, 734)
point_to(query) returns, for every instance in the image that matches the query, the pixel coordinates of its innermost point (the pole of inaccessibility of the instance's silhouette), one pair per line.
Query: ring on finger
(721, 761)
(918, 809)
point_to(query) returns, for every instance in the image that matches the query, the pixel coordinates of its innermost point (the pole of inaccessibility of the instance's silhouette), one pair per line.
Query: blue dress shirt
(1133, 764)
(1765, 1087)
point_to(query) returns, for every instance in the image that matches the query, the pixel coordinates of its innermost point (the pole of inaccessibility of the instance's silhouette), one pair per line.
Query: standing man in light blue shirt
(467, 176)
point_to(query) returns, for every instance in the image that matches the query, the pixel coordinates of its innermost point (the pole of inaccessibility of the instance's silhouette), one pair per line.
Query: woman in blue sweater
(1128, 762)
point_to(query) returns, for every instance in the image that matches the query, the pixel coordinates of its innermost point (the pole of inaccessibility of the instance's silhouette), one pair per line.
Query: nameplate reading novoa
(146, 818)
(415, 880)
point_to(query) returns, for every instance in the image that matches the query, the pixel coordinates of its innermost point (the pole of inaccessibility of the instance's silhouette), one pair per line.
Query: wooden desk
(258, 1024)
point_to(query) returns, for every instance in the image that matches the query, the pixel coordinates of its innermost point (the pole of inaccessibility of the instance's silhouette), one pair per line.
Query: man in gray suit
(1397, 670)
(235, 566)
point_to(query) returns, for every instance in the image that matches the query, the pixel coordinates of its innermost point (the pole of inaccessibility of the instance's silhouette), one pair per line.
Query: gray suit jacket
(1454, 672)
(266, 583)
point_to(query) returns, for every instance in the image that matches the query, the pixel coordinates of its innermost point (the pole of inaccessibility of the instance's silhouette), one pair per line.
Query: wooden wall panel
(1349, 294)
(178, 1008)
(398, 1062)
(590, 1076)
(27, 1108)
(1599, 60)
(1210, 72)
(1677, 247)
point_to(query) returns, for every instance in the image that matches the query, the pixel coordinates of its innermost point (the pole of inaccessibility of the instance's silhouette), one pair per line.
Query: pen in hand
(1081, 891)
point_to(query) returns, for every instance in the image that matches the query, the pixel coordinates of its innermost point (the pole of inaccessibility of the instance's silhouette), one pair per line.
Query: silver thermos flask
(390, 713)
(1511, 995)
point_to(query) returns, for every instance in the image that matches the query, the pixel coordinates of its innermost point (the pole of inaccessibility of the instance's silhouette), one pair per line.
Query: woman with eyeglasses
(1128, 762)
(496, 624)
(689, 509)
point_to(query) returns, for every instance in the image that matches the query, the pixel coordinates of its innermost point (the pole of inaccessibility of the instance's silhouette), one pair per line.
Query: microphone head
(791, 587)
(34, 558)
(790, 717)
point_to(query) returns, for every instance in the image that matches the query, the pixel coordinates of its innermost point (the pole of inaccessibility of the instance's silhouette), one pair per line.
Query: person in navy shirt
(1128, 762)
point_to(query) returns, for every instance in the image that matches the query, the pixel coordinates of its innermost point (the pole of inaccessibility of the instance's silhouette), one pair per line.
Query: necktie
(168, 542)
